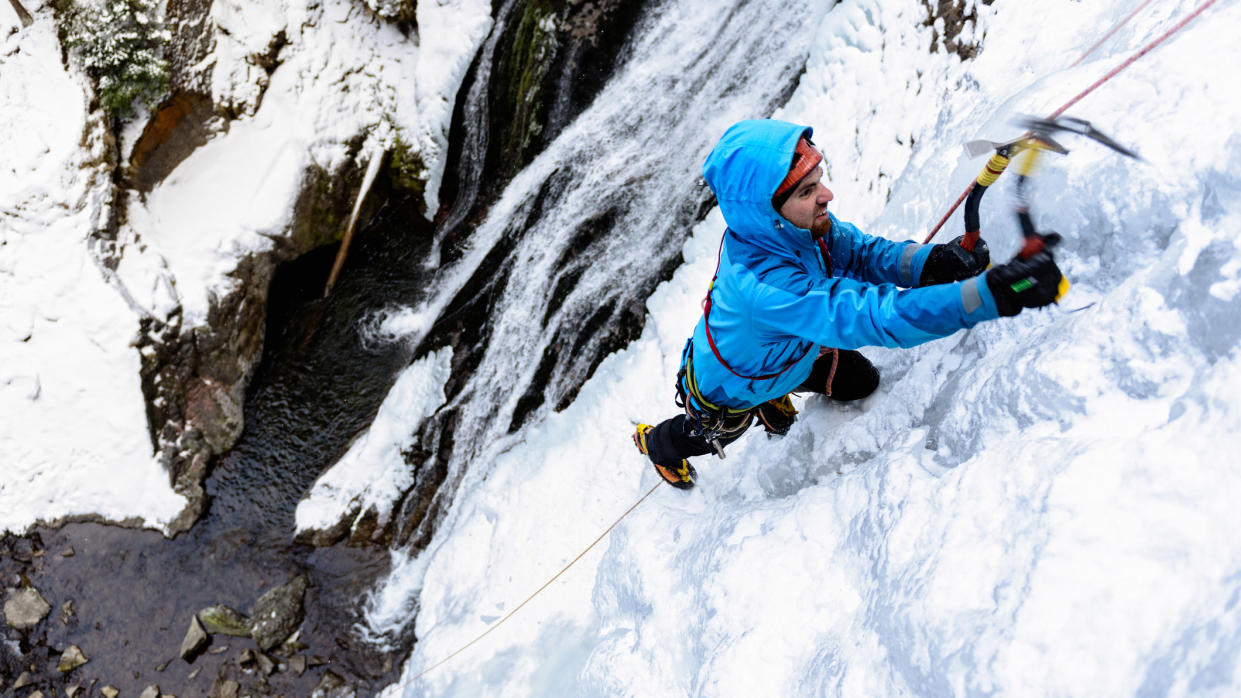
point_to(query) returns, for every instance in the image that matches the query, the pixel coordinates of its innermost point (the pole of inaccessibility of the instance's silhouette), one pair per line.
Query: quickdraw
(718, 424)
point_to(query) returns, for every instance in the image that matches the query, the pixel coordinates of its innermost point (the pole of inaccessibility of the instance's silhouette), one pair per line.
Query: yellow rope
(500, 622)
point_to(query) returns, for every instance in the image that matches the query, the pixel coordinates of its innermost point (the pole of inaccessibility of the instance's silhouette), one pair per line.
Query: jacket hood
(744, 170)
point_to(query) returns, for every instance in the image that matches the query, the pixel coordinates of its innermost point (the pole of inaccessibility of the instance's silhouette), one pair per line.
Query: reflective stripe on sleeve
(907, 264)
(970, 297)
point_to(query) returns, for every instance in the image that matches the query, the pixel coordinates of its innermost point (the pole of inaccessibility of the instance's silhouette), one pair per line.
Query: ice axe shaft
(1002, 155)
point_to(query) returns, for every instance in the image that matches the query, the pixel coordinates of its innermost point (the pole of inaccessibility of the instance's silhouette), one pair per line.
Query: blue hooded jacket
(774, 304)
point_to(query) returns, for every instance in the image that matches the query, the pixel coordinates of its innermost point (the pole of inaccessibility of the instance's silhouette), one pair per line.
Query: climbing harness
(1081, 95)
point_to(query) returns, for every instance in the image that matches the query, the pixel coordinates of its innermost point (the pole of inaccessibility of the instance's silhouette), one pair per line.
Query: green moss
(533, 47)
(408, 172)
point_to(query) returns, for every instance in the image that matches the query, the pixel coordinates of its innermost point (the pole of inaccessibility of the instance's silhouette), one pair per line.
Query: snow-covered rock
(302, 96)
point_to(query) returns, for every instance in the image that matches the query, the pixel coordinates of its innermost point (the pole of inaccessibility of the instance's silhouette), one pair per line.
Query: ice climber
(797, 291)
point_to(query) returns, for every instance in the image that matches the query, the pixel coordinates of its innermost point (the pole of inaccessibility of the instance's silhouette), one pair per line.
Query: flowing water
(556, 276)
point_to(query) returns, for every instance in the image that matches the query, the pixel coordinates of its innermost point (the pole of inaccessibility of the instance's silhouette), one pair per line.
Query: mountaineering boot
(679, 476)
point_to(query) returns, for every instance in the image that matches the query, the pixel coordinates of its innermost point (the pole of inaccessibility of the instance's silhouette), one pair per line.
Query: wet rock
(256, 662)
(196, 638)
(23, 549)
(224, 688)
(278, 613)
(110, 691)
(225, 621)
(25, 608)
(293, 645)
(71, 659)
(150, 692)
(333, 686)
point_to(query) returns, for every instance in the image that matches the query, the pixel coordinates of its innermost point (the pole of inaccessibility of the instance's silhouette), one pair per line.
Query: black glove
(951, 262)
(1032, 282)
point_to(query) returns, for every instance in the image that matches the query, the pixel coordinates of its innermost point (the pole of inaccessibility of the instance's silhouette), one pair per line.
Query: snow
(1043, 505)
(74, 439)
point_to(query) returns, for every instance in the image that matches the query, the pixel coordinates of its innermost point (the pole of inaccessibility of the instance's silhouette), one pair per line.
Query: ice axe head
(1043, 128)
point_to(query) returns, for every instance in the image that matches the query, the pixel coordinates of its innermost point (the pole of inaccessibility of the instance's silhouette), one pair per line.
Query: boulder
(225, 621)
(278, 613)
(25, 608)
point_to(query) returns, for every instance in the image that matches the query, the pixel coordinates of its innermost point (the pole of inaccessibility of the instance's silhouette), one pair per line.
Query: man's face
(807, 205)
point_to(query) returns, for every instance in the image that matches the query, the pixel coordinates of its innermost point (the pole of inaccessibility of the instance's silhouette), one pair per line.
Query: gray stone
(71, 659)
(196, 638)
(278, 613)
(110, 691)
(298, 664)
(225, 621)
(150, 692)
(23, 680)
(25, 608)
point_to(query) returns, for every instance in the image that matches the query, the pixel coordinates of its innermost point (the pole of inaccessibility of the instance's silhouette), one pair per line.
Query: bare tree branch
(22, 14)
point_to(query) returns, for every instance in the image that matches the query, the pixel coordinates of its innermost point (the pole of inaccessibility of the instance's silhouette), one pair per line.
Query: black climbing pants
(677, 438)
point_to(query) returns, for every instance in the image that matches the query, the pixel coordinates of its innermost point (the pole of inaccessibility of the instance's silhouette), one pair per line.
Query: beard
(819, 228)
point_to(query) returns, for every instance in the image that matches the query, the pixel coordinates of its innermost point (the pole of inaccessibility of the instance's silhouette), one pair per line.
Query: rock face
(194, 373)
(278, 613)
(25, 608)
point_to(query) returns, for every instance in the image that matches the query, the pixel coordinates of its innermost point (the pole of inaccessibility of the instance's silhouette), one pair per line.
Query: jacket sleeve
(849, 314)
(876, 260)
